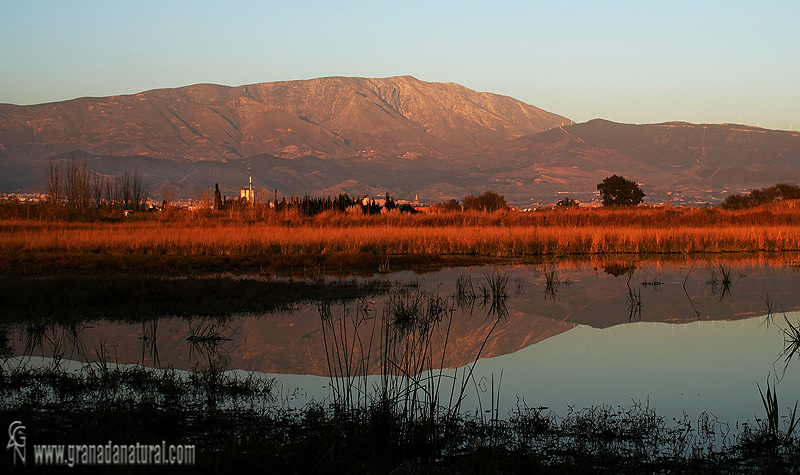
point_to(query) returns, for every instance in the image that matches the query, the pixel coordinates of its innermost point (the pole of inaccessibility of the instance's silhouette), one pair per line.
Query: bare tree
(167, 204)
(78, 183)
(80, 186)
(138, 192)
(99, 186)
(202, 204)
(55, 181)
(112, 192)
(126, 194)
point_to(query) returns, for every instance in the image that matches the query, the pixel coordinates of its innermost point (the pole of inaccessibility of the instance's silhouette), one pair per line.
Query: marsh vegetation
(402, 391)
(30, 241)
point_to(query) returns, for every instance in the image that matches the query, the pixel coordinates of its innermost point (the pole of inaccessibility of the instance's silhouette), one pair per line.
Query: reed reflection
(395, 360)
(553, 281)
(149, 339)
(722, 281)
(58, 342)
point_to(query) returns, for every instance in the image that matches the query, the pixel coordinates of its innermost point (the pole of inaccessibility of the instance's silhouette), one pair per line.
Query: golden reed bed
(356, 241)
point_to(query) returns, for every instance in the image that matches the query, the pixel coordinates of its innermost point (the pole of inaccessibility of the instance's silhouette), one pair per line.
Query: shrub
(566, 203)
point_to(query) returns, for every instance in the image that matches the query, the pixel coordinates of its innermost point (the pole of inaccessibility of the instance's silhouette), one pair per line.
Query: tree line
(308, 206)
(311, 206)
(74, 184)
(762, 196)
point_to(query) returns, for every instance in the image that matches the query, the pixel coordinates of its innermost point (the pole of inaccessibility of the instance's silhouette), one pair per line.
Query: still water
(683, 338)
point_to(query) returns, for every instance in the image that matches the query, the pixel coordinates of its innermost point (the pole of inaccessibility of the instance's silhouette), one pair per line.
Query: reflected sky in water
(677, 336)
(693, 367)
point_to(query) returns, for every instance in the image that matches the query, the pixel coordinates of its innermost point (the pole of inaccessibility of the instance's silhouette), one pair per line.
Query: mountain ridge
(400, 135)
(327, 117)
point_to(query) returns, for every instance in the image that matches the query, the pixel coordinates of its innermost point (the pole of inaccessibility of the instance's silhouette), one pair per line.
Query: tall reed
(389, 365)
(217, 239)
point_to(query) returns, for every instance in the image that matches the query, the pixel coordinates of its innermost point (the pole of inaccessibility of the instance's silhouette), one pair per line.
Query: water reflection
(59, 341)
(617, 269)
(206, 343)
(694, 367)
(553, 281)
(721, 281)
(634, 301)
(149, 339)
(526, 322)
(568, 295)
(791, 338)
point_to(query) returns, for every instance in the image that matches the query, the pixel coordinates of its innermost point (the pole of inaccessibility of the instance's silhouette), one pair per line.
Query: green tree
(489, 201)
(617, 191)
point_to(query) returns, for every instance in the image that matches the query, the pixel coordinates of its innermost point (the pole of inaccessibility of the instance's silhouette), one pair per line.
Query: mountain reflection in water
(580, 334)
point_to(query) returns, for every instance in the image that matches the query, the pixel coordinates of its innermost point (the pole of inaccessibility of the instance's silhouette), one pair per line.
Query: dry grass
(286, 238)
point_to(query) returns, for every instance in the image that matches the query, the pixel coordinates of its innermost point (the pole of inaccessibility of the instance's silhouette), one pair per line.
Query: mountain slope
(327, 117)
(682, 162)
(399, 135)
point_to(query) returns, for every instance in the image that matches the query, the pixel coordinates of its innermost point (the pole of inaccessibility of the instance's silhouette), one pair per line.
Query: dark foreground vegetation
(240, 425)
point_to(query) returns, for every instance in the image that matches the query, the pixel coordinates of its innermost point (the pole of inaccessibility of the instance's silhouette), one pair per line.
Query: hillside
(402, 135)
(328, 117)
(676, 161)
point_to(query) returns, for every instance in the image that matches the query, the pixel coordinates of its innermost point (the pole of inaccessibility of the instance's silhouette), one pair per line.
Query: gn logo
(16, 434)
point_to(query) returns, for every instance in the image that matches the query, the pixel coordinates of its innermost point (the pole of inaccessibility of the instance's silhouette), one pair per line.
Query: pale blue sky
(627, 61)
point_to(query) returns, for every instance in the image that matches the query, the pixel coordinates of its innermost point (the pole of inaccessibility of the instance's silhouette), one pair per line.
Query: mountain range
(437, 141)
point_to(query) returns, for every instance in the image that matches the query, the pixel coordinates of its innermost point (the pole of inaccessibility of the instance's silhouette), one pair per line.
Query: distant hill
(682, 162)
(402, 135)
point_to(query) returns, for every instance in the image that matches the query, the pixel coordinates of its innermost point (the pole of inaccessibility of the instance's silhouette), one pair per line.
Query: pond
(685, 338)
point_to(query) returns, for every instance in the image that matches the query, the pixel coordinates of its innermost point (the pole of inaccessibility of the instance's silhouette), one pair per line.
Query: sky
(627, 61)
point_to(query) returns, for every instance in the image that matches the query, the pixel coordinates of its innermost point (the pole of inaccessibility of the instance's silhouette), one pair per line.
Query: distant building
(246, 194)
